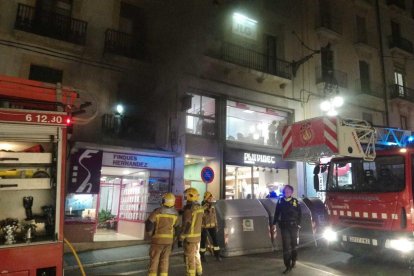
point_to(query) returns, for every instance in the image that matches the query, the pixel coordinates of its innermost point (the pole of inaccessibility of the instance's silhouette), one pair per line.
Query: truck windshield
(384, 174)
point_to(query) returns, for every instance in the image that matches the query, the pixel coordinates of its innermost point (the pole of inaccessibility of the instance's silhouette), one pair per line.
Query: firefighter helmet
(207, 195)
(168, 200)
(191, 194)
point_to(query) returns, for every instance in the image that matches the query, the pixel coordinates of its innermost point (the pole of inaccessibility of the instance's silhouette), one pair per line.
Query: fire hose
(76, 256)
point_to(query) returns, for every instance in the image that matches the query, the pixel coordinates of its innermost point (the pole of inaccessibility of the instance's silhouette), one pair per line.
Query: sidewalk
(110, 256)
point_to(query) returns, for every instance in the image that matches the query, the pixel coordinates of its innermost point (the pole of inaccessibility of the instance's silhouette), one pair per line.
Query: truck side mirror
(316, 171)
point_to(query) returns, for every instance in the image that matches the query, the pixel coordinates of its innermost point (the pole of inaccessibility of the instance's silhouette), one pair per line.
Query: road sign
(207, 175)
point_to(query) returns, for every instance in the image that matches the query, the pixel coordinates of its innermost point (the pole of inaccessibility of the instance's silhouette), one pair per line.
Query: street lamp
(330, 105)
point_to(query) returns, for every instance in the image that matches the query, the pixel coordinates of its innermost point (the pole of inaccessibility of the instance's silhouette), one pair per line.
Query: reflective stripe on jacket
(164, 221)
(192, 221)
(210, 217)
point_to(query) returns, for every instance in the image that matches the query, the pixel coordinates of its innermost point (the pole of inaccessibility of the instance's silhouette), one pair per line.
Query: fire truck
(34, 117)
(366, 178)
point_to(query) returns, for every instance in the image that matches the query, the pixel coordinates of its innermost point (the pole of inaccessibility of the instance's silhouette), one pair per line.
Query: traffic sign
(207, 175)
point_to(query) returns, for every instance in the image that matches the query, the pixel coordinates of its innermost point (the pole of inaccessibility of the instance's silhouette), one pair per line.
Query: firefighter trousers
(289, 243)
(204, 236)
(192, 258)
(159, 259)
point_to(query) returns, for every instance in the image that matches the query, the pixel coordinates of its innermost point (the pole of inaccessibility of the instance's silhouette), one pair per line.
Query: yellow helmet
(168, 200)
(191, 194)
(207, 195)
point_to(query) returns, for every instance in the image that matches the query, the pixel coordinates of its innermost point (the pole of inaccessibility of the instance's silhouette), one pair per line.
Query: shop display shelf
(25, 158)
(24, 184)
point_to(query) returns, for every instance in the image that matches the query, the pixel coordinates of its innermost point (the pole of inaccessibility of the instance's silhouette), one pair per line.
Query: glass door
(239, 182)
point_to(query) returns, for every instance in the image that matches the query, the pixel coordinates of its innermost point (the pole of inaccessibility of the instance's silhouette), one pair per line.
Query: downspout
(377, 7)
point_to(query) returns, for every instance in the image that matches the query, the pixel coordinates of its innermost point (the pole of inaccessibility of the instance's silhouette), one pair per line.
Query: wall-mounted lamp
(120, 109)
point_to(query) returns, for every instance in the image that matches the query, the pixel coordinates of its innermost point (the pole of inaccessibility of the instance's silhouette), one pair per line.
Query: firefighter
(288, 216)
(160, 226)
(209, 227)
(191, 232)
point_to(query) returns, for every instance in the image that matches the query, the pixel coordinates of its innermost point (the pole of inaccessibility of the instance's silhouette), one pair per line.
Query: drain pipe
(377, 7)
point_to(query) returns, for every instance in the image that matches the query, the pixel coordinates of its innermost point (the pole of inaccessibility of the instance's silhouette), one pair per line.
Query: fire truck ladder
(366, 136)
(393, 137)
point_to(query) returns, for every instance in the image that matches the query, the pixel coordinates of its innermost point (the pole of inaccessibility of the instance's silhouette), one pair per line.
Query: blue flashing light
(410, 139)
(392, 144)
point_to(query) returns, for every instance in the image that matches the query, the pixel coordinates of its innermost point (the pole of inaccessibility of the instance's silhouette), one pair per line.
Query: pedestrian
(272, 133)
(161, 226)
(209, 227)
(288, 216)
(191, 232)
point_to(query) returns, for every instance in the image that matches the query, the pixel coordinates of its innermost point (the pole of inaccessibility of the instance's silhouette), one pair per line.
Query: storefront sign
(125, 160)
(244, 26)
(242, 157)
(248, 225)
(207, 175)
(85, 172)
(253, 158)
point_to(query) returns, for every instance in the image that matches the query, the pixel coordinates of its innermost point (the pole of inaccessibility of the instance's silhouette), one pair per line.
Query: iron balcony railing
(367, 87)
(402, 92)
(331, 76)
(401, 43)
(131, 128)
(50, 24)
(329, 21)
(251, 59)
(123, 44)
(398, 3)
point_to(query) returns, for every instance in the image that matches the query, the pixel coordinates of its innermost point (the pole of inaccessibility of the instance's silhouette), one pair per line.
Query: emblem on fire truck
(306, 133)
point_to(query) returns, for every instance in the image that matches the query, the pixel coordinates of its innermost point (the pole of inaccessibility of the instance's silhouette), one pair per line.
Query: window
(245, 182)
(254, 125)
(385, 174)
(404, 124)
(367, 117)
(361, 30)
(327, 62)
(399, 80)
(201, 117)
(61, 7)
(395, 30)
(45, 74)
(364, 75)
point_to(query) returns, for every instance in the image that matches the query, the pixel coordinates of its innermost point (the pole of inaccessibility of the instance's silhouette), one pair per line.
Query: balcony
(402, 92)
(253, 60)
(123, 44)
(397, 3)
(370, 88)
(50, 24)
(129, 128)
(399, 43)
(331, 76)
(329, 25)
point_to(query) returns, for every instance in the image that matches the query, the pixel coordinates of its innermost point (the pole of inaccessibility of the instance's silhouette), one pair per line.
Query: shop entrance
(122, 198)
(244, 182)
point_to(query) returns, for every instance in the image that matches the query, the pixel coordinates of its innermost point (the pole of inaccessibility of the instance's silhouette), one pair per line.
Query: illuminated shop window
(201, 116)
(254, 125)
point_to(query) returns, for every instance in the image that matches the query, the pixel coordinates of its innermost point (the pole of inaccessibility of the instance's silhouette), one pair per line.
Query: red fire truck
(368, 181)
(33, 134)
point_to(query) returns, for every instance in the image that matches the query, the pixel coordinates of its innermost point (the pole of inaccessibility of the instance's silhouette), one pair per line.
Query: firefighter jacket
(192, 221)
(209, 217)
(288, 211)
(161, 225)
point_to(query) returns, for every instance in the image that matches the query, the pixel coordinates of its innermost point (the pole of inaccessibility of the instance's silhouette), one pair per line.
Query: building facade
(209, 84)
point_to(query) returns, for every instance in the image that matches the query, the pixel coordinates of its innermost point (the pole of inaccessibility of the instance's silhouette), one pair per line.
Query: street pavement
(312, 262)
